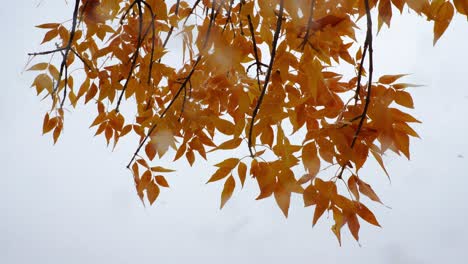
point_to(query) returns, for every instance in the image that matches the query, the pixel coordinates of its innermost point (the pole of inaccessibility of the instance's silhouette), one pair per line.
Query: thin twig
(363, 116)
(268, 74)
(181, 88)
(254, 44)
(310, 20)
(135, 54)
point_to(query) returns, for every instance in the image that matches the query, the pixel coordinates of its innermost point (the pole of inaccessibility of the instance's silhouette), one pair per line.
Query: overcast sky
(75, 202)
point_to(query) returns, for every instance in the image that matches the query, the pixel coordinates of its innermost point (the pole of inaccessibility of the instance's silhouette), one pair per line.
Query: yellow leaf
(228, 189)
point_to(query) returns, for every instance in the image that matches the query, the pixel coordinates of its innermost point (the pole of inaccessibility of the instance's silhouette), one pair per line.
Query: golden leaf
(228, 189)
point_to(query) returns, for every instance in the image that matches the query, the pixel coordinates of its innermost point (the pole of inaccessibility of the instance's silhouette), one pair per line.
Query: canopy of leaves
(257, 78)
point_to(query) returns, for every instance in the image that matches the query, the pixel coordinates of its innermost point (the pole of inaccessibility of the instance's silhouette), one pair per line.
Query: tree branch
(363, 116)
(268, 73)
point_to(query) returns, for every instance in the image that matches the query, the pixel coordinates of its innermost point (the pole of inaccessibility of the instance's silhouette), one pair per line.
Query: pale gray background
(75, 202)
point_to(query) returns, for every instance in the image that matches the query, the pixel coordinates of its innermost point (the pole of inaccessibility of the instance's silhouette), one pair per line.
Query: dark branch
(309, 25)
(135, 54)
(368, 45)
(268, 74)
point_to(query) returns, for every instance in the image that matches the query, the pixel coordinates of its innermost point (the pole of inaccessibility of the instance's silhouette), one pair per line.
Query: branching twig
(254, 44)
(136, 53)
(191, 11)
(181, 88)
(367, 45)
(64, 50)
(228, 15)
(268, 73)
(309, 25)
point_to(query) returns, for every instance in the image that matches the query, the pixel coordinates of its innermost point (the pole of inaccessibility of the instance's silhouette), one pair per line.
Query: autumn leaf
(366, 214)
(310, 159)
(229, 186)
(283, 199)
(242, 172)
(152, 191)
(367, 190)
(255, 88)
(442, 17)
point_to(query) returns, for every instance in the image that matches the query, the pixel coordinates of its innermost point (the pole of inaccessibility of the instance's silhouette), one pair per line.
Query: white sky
(75, 202)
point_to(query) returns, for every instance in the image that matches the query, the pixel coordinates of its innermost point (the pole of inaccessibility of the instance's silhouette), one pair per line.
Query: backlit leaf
(228, 189)
(152, 191)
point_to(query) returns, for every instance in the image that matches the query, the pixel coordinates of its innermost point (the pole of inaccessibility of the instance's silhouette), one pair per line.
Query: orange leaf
(321, 206)
(339, 222)
(228, 189)
(443, 17)
(310, 196)
(230, 144)
(242, 171)
(48, 25)
(389, 79)
(39, 67)
(461, 6)
(310, 159)
(353, 187)
(353, 225)
(150, 151)
(50, 35)
(219, 174)
(385, 12)
(161, 169)
(228, 163)
(366, 214)
(404, 99)
(367, 190)
(161, 181)
(152, 190)
(283, 199)
(190, 156)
